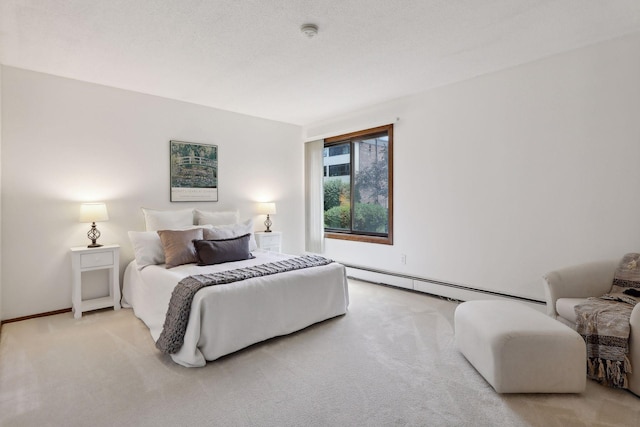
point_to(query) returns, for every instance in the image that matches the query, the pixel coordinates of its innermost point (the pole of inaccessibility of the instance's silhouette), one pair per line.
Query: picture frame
(193, 172)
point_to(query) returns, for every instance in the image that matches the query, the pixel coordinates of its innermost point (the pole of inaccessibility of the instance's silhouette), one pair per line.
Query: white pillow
(167, 220)
(232, 230)
(147, 248)
(216, 218)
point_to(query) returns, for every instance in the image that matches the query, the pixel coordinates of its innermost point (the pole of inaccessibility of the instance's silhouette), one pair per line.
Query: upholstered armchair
(567, 287)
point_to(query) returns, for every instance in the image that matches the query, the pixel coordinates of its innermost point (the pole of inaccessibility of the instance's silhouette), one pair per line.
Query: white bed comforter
(227, 318)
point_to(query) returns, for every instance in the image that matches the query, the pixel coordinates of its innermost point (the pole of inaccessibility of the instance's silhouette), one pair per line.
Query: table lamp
(268, 208)
(92, 212)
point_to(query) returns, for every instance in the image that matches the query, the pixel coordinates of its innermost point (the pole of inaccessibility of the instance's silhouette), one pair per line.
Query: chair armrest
(592, 279)
(634, 321)
(634, 349)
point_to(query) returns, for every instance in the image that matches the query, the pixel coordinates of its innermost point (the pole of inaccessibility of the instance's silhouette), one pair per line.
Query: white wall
(1, 196)
(64, 142)
(504, 177)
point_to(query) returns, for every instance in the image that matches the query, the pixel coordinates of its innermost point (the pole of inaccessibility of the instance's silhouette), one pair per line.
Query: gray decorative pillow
(178, 246)
(219, 232)
(211, 252)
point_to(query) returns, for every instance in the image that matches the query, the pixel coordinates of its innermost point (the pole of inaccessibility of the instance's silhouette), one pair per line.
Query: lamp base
(93, 235)
(268, 224)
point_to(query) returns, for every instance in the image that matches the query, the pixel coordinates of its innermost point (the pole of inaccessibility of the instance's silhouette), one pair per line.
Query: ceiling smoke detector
(309, 30)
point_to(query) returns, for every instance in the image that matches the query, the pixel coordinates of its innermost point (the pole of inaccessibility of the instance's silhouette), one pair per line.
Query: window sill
(359, 238)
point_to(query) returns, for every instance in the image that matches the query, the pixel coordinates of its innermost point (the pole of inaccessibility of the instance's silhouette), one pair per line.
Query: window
(340, 170)
(338, 150)
(358, 184)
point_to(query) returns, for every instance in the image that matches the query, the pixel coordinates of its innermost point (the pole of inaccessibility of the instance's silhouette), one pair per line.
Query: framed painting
(194, 172)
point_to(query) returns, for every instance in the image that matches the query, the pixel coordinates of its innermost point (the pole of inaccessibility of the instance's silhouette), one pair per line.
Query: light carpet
(390, 361)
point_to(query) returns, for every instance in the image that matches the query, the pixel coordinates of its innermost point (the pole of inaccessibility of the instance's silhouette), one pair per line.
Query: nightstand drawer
(270, 240)
(96, 260)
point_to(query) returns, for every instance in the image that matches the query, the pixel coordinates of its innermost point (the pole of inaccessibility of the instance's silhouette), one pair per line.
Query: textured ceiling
(249, 56)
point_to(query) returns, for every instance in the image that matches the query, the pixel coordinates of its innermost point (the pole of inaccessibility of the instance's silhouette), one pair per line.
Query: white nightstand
(271, 241)
(87, 259)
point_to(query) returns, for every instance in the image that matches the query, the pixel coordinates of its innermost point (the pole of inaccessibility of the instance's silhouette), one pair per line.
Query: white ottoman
(520, 350)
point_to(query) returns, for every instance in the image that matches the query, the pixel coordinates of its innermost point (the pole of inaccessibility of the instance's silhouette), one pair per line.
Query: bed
(228, 317)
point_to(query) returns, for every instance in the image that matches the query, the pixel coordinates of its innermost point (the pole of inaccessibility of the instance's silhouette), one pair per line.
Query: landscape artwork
(194, 172)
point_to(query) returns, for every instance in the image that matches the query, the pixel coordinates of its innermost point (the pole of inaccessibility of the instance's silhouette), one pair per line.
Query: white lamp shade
(267, 208)
(93, 212)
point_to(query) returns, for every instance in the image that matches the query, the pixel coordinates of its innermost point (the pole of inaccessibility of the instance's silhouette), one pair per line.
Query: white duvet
(227, 318)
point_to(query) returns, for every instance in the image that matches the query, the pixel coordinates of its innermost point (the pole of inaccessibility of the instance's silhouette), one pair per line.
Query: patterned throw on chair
(603, 322)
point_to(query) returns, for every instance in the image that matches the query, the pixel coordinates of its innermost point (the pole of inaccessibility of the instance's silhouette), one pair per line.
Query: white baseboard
(447, 290)
(385, 279)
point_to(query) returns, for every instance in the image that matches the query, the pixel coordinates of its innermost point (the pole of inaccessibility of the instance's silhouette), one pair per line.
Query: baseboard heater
(433, 287)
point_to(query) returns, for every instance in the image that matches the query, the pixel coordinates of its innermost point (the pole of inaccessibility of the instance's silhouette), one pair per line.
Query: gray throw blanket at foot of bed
(175, 323)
